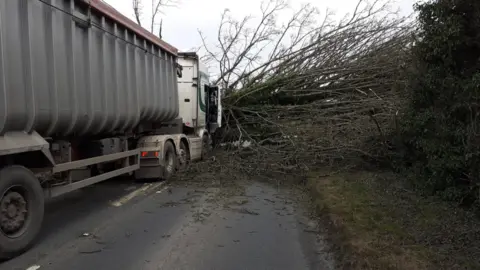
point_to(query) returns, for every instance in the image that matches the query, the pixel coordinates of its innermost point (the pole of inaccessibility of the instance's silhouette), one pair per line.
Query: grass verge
(377, 223)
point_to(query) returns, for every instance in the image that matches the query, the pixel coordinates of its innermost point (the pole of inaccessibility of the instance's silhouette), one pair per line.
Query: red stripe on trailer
(113, 14)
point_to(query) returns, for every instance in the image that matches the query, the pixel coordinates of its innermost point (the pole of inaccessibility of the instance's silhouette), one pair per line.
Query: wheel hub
(170, 163)
(183, 157)
(13, 209)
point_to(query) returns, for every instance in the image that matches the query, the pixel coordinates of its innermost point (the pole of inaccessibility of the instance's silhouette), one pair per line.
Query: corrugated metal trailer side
(74, 68)
(76, 79)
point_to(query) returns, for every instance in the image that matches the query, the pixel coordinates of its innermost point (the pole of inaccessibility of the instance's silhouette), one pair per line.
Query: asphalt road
(123, 225)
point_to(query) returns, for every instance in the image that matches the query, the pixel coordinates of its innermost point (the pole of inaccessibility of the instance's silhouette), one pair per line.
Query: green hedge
(441, 133)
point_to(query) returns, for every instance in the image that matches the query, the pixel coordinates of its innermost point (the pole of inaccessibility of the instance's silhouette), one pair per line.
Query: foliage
(320, 102)
(441, 134)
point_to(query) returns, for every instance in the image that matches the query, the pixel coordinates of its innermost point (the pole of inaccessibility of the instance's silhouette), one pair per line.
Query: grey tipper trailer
(85, 95)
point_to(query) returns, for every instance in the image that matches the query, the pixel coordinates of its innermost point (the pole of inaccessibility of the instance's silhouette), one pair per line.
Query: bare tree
(136, 5)
(157, 8)
(246, 50)
(311, 89)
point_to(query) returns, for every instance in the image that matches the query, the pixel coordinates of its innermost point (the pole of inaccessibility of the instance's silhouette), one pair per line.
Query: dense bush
(441, 133)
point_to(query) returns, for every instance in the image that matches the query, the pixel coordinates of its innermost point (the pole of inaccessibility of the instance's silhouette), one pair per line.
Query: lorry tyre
(21, 210)
(170, 159)
(205, 146)
(183, 156)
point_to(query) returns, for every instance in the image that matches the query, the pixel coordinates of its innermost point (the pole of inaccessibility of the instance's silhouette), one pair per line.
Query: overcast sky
(181, 24)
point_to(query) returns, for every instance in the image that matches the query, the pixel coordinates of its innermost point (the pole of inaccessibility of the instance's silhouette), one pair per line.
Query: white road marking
(34, 267)
(130, 188)
(135, 193)
(162, 190)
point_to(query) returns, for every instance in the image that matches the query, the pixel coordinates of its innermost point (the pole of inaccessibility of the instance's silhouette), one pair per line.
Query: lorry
(87, 95)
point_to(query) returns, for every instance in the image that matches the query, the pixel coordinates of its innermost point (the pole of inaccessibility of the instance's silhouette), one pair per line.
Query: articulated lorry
(87, 95)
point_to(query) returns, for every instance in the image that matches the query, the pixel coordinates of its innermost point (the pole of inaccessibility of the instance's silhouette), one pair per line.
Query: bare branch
(306, 92)
(156, 8)
(136, 4)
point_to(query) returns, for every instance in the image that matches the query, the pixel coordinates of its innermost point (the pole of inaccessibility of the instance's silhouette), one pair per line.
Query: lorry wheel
(184, 157)
(170, 159)
(21, 210)
(205, 146)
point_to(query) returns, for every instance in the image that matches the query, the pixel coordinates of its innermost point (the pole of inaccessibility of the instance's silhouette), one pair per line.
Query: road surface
(124, 225)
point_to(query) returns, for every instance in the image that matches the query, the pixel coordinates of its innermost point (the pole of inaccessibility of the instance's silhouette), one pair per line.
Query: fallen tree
(318, 96)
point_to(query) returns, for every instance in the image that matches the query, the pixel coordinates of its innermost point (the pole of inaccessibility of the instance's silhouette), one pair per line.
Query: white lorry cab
(200, 115)
(200, 103)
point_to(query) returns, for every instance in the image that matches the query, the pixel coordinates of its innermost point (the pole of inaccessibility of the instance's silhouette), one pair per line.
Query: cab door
(213, 108)
(187, 95)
